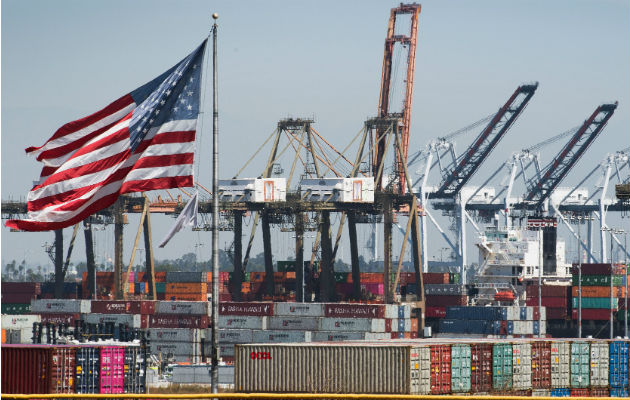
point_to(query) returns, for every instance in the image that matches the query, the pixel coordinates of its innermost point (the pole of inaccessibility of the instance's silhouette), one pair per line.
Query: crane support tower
(408, 42)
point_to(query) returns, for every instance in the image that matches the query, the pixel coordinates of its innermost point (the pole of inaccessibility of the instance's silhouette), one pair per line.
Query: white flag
(188, 217)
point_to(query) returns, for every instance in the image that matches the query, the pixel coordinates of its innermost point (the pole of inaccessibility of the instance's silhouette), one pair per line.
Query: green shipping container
(596, 302)
(16, 309)
(460, 368)
(502, 366)
(598, 280)
(160, 287)
(580, 364)
(454, 278)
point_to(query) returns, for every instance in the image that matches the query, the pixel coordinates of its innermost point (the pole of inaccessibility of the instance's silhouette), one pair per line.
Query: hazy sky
(62, 60)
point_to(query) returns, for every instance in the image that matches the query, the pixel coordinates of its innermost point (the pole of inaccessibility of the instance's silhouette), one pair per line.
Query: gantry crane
(459, 172)
(385, 109)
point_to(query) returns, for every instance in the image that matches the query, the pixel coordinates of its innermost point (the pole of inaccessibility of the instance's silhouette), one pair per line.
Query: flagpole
(215, 214)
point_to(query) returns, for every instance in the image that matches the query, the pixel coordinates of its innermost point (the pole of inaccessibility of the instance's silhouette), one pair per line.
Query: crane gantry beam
(559, 167)
(478, 151)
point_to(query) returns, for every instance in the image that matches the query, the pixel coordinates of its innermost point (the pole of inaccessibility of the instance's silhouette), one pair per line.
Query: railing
(277, 396)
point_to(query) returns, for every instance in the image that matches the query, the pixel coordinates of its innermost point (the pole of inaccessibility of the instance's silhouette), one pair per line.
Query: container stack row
(311, 322)
(521, 367)
(43, 369)
(598, 299)
(555, 299)
(498, 321)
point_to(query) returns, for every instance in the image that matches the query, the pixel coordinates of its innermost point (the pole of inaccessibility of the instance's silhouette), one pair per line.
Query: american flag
(143, 141)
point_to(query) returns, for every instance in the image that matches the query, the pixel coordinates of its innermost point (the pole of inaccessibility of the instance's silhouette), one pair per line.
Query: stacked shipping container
(41, 369)
(519, 367)
(597, 297)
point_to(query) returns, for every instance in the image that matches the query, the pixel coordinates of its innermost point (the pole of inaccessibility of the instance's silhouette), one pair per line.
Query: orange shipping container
(191, 287)
(186, 296)
(160, 276)
(291, 275)
(4, 336)
(598, 291)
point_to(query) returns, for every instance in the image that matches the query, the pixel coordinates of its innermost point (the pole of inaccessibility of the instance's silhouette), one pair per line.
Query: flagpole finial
(215, 16)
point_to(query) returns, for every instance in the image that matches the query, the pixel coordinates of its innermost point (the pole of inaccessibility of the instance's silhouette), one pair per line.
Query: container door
(357, 190)
(269, 190)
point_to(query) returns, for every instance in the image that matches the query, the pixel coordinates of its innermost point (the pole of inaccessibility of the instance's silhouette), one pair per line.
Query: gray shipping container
(299, 309)
(177, 335)
(443, 290)
(200, 374)
(338, 336)
(326, 368)
(133, 320)
(353, 324)
(176, 348)
(242, 322)
(295, 323)
(280, 336)
(60, 306)
(183, 307)
(235, 336)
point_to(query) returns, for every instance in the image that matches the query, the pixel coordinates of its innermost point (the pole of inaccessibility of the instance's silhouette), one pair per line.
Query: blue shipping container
(619, 365)
(561, 392)
(618, 392)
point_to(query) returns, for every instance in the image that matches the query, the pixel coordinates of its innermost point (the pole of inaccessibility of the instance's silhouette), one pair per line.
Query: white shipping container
(513, 313)
(183, 307)
(353, 324)
(299, 309)
(255, 190)
(423, 368)
(242, 322)
(294, 323)
(396, 311)
(235, 336)
(377, 336)
(338, 336)
(345, 190)
(599, 364)
(178, 335)
(61, 306)
(560, 364)
(281, 336)
(522, 365)
(523, 327)
(19, 321)
(132, 320)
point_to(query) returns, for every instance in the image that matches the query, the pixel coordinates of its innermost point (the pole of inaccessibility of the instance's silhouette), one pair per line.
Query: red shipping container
(547, 291)
(557, 313)
(580, 393)
(178, 321)
(16, 298)
(594, 314)
(443, 301)
(60, 318)
(541, 365)
(37, 369)
(600, 392)
(593, 269)
(388, 325)
(243, 308)
(440, 369)
(342, 310)
(123, 307)
(481, 367)
(22, 287)
(555, 302)
(435, 278)
(435, 312)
